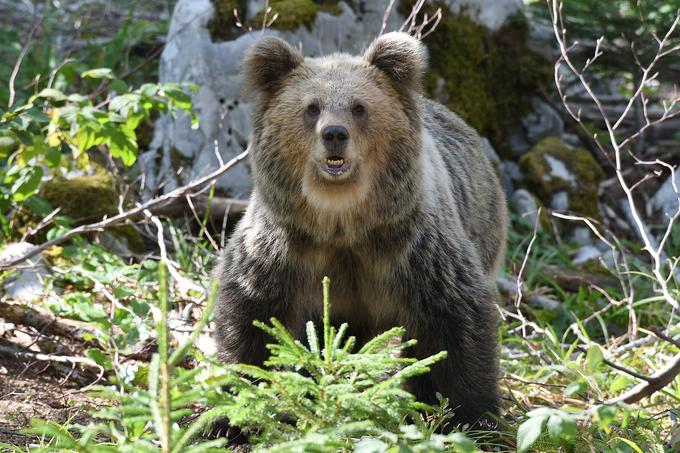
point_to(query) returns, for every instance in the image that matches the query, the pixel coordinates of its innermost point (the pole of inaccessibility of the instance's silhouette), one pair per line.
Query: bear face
(328, 131)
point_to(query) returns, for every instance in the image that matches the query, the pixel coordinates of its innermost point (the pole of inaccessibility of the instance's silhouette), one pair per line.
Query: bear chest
(362, 289)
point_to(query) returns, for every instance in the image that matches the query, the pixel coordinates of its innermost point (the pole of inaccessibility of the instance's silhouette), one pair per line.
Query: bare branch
(44, 323)
(151, 204)
(652, 384)
(655, 252)
(662, 273)
(73, 360)
(17, 65)
(509, 287)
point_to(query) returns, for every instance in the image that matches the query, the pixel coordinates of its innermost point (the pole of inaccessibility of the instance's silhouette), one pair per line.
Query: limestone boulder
(563, 178)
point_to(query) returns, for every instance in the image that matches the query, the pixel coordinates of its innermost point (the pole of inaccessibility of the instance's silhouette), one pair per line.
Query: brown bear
(360, 178)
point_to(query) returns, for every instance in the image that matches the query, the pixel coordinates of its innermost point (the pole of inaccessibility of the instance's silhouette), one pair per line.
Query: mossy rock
(84, 197)
(487, 77)
(551, 167)
(291, 14)
(87, 199)
(223, 26)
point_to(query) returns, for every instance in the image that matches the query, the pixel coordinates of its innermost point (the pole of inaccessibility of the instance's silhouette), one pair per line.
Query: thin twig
(17, 64)
(654, 248)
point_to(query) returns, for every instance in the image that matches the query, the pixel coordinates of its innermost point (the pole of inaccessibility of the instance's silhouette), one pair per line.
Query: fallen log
(45, 323)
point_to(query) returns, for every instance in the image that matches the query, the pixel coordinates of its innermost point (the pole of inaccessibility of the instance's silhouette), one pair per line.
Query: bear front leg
(465, 325)
(238, 340)
(252, 287)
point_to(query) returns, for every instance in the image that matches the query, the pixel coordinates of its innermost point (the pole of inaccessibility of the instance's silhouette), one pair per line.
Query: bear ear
(267, 62)
(401, 56)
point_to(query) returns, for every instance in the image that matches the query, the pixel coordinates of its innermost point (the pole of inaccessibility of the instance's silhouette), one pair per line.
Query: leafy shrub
(54, 130)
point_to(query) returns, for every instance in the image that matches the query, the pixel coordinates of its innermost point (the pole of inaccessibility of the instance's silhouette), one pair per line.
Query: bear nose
(334, 137)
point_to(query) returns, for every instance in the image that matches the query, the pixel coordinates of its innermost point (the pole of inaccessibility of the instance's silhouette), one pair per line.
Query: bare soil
(38, 389)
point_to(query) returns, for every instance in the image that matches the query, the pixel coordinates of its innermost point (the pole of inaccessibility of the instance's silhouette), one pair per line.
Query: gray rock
(506, 180)
(115, 243)
(585, 254)
(558, 169)
(523, 204)
(570, 140)
(582, 236)
(666, 199)
(519, 145)
(560, 201)
(609, 258)
(28, 284)
(489, 151)
(513, 171)
(541, 36)
(490, 13)
(543, 121)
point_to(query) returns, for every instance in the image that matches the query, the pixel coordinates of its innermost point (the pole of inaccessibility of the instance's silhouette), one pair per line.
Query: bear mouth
(335, 165)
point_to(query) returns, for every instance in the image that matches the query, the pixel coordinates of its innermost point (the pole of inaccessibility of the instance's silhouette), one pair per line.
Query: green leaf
(99, 357)
(576, 387)
(77, 98)
(39, 205)
(594, 358)
(51, 93)
(87, 137)
(529, 432)
(619, 384)
(100, 73)
(51, 429)
(27, 183)
(121, 145)
(631, 444)
(180, 98)
(370, 446)
(119, 86)
(7, 145)
(561, 426)
(53, 156)
(605, 416)
(462, 443)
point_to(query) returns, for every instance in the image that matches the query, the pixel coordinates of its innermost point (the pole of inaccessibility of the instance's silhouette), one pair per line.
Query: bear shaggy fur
(360, 178)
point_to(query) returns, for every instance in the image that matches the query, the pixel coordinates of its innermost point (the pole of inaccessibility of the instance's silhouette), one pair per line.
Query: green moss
(223, 26)
(84, 197)
(583, 195)
(486, 77)
(291, 14)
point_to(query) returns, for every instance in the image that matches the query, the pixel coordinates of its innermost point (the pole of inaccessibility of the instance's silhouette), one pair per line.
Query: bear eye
(313, 110)
(358, 110)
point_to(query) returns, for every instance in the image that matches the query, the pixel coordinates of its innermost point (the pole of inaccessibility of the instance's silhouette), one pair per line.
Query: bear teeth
(335, 161)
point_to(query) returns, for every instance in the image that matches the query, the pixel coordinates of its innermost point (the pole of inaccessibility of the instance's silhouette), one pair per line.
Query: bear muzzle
(335, 140)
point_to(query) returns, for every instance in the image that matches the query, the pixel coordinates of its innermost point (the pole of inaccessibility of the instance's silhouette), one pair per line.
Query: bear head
(337, 133)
